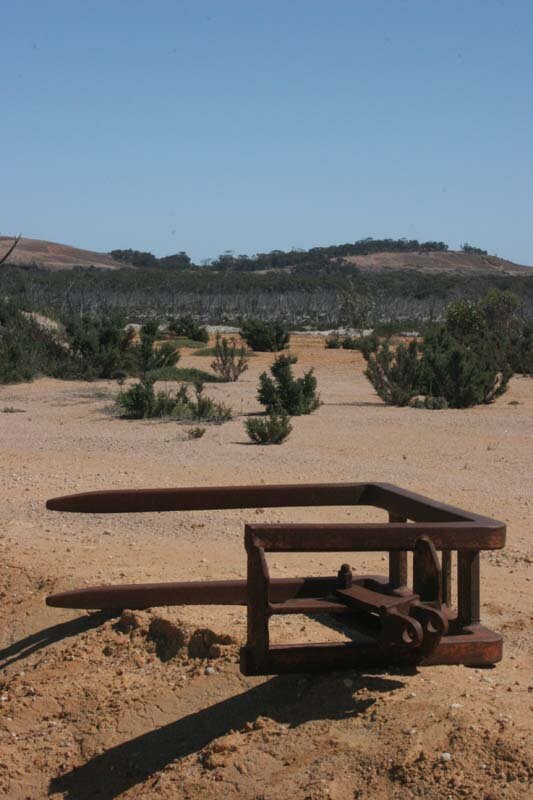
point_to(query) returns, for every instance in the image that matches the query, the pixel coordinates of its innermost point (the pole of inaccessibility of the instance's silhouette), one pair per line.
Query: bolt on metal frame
(400, 625)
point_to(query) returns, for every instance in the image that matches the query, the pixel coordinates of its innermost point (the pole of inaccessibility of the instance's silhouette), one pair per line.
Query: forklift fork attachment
(387, 621)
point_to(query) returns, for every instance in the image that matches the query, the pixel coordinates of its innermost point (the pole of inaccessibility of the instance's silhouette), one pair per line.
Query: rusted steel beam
(427, 573)
(149, 595)
(476, 649)
(468, 600)
(420, 508)
(258, 580)
(374, 537)
(126, 501)
(397, 561)
(446, 565)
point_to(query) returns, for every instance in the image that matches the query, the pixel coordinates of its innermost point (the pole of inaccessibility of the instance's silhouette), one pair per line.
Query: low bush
(230, 360)
(520, 351)
(150, 357)
(463, 363)
(395, 373)
(272, 429)
(188, 328)
(463, 373)
(100, 346)
(333, 342)
(206, 409)
(365, 344)
(141, 401)
(27, 349)
(284, 393)
(270, 337)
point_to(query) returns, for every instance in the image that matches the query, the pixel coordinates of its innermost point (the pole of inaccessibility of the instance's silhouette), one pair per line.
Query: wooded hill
(397, 279)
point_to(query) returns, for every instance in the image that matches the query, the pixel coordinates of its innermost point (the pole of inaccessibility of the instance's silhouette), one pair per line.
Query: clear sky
(244, 125)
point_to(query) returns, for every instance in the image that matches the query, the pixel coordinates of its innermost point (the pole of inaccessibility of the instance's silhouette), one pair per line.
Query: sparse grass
(189, 374)
(13, 410)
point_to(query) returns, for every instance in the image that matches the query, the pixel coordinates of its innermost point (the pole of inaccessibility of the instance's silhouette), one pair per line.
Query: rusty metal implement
(391, 623)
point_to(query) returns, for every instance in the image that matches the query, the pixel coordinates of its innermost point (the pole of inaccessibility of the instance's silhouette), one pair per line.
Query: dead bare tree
(15, 243)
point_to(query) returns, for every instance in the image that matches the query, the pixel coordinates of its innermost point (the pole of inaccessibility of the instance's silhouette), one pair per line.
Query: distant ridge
(454, 261)
(55, 257)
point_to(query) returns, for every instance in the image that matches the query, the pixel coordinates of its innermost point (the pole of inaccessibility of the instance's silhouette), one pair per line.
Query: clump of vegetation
(189, 328)
(230, 360)
(272, 429)
(270, 337)
(12, 410)
(204, 408)
(465, 362)
(196, 433)
(150, 357)
(365, 344)
(284, 393)
(333, 342)
(100, 346)
(27, 349)
(521, 351)
(141, 401)
(394, 373)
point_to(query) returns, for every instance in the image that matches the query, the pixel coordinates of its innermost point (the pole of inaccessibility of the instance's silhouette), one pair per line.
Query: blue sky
(248, 126)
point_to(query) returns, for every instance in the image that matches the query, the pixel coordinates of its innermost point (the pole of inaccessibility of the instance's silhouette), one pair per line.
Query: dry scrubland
(92, 708)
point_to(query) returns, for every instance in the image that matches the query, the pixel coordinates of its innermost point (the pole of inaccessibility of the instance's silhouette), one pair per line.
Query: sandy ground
(95, 707)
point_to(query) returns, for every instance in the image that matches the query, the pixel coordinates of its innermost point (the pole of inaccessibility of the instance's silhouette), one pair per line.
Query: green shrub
(140, 401)
(272, 429)
(27, 349)
(463, 373)
(441, 369)
(187, 327)
(365, 344)
(520, 351)
(268, 337)
(101, 346)
(204, 408)
(151, 358)
(465, 318)
(284, 392)
(333, 342)
(230, 361)
(395, 373)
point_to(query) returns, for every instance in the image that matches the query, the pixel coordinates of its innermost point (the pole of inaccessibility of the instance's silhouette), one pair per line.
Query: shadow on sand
(37, 641)
(119, 768)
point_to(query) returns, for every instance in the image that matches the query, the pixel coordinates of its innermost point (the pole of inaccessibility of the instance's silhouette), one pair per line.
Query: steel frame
(401, 625)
